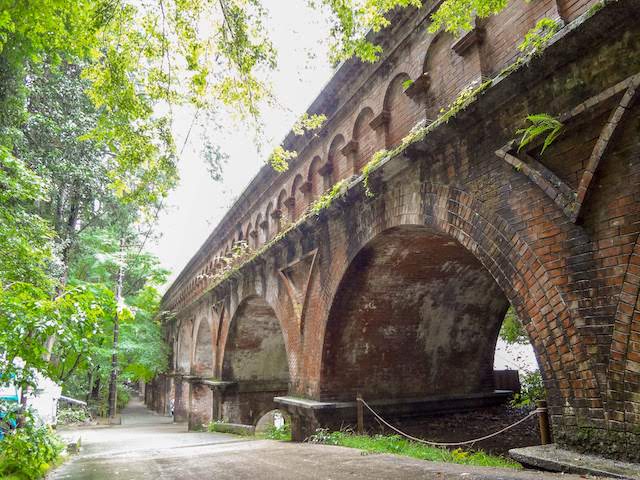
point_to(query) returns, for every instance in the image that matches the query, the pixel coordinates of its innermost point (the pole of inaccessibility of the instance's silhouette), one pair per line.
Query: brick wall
(383, 293)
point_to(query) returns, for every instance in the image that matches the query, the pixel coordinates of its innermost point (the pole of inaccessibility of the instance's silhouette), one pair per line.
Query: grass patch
(397, 445)
(282, 434)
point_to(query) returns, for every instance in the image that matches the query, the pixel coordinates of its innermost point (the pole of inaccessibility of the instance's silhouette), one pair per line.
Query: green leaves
(307, 123)
(279, 158)
(457, 16)
(539, 36)
(352, 20)
(541, 124)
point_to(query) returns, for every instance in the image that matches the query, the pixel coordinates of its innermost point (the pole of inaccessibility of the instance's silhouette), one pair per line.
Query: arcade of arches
(400, 295)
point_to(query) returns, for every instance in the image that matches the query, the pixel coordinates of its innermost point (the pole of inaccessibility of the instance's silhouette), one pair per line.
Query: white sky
(198, 204)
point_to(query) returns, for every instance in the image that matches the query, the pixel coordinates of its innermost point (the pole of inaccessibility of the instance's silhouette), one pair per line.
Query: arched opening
(298, 206)
(413, 328)
(315, 179)
(259, 235)
(403, 112)
(366, 138)
(183, 359)
(416, 315)
(266, 226)
(203, 351)
(337, 161)
(281, 210)
(440, 61)
(272, 420)
(255, 348)
(255, 363)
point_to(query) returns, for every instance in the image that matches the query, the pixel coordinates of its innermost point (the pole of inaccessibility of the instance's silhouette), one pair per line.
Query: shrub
(68, 416)
(29, 452)
(279, 433)
(531, 389)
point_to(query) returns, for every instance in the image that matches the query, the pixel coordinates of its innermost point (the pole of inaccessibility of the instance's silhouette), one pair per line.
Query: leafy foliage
(326, 199)
(29, 452)
(72, 415)
(279, 158)
(352, 20)
(512, 330)
(457, 16)
(539, 36)
(541, 124)
(531, 390)
(279, 433)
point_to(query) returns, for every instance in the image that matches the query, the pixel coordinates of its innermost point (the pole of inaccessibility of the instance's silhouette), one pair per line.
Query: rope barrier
(449, 444)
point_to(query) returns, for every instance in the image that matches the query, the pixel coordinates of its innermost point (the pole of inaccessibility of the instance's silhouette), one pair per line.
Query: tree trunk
(113, 380)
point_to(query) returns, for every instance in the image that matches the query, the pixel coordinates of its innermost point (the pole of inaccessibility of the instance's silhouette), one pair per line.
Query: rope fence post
(360, 414)
(543, 422)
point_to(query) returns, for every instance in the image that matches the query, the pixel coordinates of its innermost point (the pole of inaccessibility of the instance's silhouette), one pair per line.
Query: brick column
(181, 400)
(200, 405)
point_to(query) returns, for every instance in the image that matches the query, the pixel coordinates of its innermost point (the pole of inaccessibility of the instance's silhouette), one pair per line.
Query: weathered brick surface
(400, 295)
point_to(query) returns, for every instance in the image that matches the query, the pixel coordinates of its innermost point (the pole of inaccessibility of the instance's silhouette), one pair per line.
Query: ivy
(537, 39)
(375, 161)
(325, 201)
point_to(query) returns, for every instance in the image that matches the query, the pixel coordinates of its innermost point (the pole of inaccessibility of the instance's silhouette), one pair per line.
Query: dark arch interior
(416, 315)
(203, 354)
(255, 345)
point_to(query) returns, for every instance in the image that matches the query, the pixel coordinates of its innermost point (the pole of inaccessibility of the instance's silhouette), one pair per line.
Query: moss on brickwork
(610, 443)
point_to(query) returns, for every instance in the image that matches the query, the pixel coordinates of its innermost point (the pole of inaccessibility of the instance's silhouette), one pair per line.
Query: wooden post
(543, 422)
(360, 414)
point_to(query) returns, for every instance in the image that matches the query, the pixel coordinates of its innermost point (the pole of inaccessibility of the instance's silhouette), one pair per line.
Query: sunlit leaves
(457, 16)
(307, 123)
(352, 20)
(280, 157)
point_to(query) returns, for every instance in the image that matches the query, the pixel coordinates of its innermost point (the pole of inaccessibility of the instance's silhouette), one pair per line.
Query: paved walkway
(150, 446)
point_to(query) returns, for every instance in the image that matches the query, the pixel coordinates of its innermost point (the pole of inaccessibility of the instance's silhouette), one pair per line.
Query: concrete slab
(556, 459)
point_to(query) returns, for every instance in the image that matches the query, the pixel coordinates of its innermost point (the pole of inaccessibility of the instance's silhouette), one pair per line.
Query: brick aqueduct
(400, 295)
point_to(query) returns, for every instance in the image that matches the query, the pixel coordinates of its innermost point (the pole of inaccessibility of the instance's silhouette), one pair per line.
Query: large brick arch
(416, 315)
(255, 360)
(184, 346)
(493, 242)
(624, 363)
(203, 355)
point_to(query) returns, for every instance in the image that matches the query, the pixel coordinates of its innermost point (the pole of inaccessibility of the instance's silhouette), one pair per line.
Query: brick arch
(260, 238)
(282, 208)
(336, 158)
(624, 357)
(269, 222)
(184, 346)
(416, 314)
(400, 110)
(365, 138)
(252, 306)
(444, 70)
(203, 351)
(511, 262)
(298, 196)
(314, 178)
